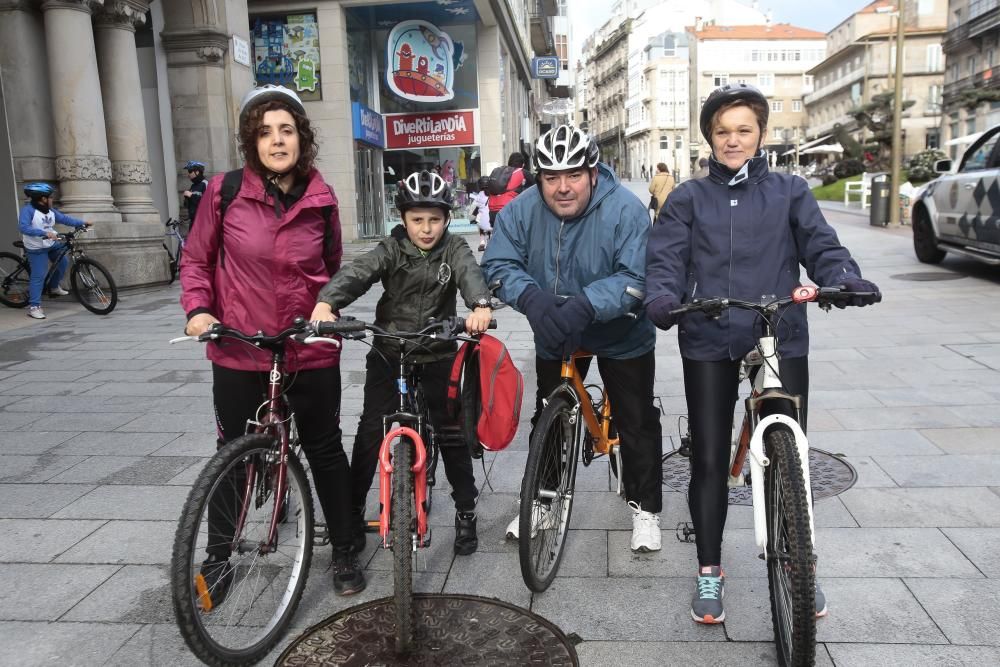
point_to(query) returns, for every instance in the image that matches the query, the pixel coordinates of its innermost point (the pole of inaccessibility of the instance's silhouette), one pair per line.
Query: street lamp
(897, 117)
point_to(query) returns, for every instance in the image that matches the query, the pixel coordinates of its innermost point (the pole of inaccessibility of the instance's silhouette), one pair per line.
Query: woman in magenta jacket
(258, 269)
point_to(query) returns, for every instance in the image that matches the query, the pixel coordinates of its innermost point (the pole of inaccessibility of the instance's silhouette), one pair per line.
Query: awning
(808, 144)
(825, 148)
(963, 141)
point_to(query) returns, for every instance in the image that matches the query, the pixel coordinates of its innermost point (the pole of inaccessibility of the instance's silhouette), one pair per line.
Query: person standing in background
(660, 188)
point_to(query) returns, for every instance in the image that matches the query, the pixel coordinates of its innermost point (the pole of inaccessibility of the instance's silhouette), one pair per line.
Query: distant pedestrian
(660, 188)
(479, 212)
(503, 194)
(192, 196)
(642, 171)
(702, 169)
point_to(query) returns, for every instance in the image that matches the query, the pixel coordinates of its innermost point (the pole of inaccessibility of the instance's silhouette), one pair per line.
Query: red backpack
(484, 393)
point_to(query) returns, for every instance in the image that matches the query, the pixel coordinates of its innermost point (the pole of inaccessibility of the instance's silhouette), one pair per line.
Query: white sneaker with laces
(542, 519)
(58, 291)
(36, 312)
(645, 529)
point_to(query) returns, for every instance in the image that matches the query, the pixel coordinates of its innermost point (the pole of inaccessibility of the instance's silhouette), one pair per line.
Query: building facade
(108, 99)
(971, 102)
(861, 63)
(773, 57)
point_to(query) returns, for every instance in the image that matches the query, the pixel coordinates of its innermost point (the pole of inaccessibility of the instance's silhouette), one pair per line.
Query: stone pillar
(121, 90)
(26, 89)
(82, 164)
(491, 121)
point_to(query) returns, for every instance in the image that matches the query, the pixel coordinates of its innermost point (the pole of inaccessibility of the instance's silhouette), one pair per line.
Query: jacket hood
(755, 170)
(607, 182)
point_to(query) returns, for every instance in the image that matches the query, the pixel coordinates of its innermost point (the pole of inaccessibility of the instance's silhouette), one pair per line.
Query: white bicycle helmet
(566, 147)
(266, 94)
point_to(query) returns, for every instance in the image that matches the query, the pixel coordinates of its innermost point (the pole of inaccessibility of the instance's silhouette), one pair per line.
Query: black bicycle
(92, 283)
(173, 230)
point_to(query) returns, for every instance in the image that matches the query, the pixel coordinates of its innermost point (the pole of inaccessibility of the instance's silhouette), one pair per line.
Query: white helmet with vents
(566, 147)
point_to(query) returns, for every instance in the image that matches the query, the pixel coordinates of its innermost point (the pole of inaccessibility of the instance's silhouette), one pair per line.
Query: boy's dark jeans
(381, 398)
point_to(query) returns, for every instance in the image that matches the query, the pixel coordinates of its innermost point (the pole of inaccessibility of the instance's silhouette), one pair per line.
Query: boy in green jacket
(420, 265)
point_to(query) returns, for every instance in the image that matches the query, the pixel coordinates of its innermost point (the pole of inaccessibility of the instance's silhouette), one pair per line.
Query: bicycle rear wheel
(402, 542)
(14, 278)
(790, 562)
(547, 493)
(94, 286)
(257, 592)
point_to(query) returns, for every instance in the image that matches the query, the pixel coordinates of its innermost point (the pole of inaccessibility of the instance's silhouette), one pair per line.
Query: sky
(822, 15)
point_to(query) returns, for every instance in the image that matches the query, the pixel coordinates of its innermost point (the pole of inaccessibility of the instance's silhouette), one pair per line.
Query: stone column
(82, 164)
(117, 61)
(26, 89)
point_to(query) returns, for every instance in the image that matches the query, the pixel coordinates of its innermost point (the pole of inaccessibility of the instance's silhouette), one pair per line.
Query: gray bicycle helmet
(424, 188)
(268, 93)
(731, 92)
(566, 147)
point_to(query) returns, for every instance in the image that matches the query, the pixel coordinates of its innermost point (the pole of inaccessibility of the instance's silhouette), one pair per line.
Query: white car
(959, 212)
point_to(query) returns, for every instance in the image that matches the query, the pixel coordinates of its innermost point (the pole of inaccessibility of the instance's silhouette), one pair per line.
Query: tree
(876, 117)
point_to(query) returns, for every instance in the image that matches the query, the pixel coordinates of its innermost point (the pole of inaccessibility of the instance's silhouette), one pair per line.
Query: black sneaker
(466, 541)
(348, 579)
(217, 574)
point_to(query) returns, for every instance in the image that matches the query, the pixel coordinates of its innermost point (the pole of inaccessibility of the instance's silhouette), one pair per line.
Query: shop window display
(286, 52)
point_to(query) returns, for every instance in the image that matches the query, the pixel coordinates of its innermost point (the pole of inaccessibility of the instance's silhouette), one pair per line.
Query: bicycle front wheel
(14, 278)
(547, 492)
(402, 542)
(235, 587)
(94, 286)
(790, 562)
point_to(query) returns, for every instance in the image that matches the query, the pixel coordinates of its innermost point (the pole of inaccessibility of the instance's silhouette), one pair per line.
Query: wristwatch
(483, 303)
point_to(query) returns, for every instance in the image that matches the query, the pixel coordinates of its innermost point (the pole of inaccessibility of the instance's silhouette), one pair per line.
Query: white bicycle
(779, 473)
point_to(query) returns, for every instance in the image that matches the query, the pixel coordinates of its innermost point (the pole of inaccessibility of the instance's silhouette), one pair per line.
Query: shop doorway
(368, 182)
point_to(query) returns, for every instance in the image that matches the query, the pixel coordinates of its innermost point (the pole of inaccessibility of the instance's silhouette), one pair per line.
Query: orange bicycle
(574, 425)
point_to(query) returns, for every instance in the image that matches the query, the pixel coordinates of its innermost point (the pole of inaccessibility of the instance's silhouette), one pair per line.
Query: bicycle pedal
(321, 535)
(685, 532)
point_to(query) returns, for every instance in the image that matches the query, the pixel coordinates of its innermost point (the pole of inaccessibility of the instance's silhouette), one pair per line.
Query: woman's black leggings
(712, 388)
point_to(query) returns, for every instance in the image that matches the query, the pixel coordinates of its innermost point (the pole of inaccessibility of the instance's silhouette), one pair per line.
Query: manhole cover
(928, 276)
(450, 630)
(830, 475)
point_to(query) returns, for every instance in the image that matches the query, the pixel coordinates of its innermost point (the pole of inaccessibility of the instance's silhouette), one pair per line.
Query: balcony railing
(955, 37)
(842, 82)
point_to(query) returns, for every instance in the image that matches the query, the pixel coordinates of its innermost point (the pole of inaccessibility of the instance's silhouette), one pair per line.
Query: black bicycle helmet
(424, 188)
(38, 189)
(566, 147)
(731, 92)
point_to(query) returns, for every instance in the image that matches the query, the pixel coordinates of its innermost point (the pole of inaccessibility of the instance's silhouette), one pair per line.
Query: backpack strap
(454, 398)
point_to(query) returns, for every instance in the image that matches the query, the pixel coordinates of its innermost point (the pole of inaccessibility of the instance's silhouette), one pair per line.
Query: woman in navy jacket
(741, 232)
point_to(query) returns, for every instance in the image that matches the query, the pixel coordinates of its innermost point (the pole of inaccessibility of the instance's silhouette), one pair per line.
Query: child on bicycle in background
(37, 222)
(420, 265)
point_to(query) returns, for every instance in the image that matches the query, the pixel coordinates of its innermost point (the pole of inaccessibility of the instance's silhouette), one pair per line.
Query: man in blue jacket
(570, 254)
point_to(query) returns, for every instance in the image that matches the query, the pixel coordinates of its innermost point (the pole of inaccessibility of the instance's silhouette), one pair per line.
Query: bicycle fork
(759, 461)
(385, 472)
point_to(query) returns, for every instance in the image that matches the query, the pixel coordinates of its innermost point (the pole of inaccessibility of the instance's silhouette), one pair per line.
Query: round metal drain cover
(928, 276)
(829, 474)
(451, 630)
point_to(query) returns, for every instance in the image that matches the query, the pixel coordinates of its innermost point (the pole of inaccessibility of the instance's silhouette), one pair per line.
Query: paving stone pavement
(103, 427)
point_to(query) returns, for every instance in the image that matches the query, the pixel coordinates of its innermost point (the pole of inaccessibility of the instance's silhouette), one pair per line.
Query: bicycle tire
(176, 268)
(790, 571)
(15, 275)
(402, 549)
(244, 626)
(94, 287)
(552, 456)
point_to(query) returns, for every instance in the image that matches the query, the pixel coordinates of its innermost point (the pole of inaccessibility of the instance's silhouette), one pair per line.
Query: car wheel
(924, 243)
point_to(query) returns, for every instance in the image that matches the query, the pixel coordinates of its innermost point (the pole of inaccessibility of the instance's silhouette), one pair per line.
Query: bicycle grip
(339, 327)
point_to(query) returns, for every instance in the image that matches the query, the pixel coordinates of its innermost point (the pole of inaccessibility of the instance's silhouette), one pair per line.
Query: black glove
(658, 312)
(535, 302)
(853, 284)
(568, 321)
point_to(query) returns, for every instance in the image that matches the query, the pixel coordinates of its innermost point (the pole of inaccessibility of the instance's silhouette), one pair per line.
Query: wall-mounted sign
(241, 51)
(420, 62)
(367, 125)
(545, 67)
(432, 129)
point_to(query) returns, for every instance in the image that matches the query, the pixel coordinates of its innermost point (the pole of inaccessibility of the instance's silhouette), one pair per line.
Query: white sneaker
(36, 312)
(645, 529)
(542, 519)
(58, 291)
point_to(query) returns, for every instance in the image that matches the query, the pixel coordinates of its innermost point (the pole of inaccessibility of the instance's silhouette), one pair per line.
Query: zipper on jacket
(562, 223)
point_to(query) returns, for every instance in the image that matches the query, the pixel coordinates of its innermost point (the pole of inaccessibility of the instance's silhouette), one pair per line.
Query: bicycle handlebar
(446, 329)
(824, 296)
(301, 330)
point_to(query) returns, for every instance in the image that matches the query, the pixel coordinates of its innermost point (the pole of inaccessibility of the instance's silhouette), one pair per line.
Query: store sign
(545, 67)
(432, 129)
(421, 64)
(367, 125)
(241, 51)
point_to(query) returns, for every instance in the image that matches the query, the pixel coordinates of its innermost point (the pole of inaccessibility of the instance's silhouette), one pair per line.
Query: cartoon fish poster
(420, 62)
